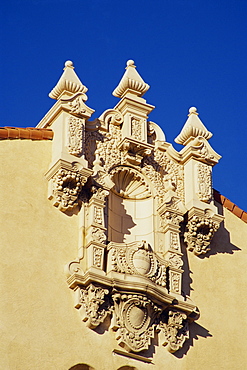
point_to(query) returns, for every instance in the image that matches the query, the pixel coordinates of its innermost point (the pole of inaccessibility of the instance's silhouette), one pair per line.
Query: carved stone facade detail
(134, 319)
(67, 185)
(76, 136)
(204, 182)
(200, 231)
(95, 307)
(176, 330)
(124, 182)
(137, 258)
(136, 128)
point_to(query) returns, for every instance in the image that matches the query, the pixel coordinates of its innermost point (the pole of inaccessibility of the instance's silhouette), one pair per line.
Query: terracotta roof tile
(244, 217)
(230, 206)
(31, 133)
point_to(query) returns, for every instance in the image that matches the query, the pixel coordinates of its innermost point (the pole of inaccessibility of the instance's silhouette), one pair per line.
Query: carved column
(96, 230)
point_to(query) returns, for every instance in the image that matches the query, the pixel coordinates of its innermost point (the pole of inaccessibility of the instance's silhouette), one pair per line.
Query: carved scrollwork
(98, 235)
(137, 258)
(135, 315)
(171, 218)
(175, 329)
(200, 231)
(95, 305)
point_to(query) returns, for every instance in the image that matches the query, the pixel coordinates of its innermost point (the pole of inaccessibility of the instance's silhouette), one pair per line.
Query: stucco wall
(42, 330)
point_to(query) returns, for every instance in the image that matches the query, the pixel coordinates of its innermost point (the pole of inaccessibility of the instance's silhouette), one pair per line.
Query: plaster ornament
(205, 191)
(110, 116)
(134, 151)
(193, 128)
(131, 82)
(67, 185)
(129, 183)
(76, 136)
(68, 84)
(134, 321)
(137, 258)
(200, 231)
(176, 330)
(94, 306)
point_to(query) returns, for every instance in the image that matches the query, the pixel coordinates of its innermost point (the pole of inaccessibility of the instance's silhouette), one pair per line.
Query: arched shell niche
(130, 207)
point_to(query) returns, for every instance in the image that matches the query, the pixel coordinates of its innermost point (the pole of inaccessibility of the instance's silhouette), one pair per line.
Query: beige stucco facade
(119, 235)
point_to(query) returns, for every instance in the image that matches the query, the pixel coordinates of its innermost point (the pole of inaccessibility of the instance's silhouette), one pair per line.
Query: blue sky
(192, 53)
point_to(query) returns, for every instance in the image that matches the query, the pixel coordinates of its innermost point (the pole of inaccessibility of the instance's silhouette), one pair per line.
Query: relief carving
(200, 231)
(204, 182)
(95, 306)
(176, 330)
(136, 128)
(135, 316)
(67, 186)
(137, 258)
(75, 136)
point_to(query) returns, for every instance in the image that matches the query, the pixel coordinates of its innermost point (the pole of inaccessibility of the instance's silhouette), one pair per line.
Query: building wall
(42, 330)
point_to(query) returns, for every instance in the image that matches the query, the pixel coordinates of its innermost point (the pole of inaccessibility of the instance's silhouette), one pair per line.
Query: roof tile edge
(232, 207)
(29, 133)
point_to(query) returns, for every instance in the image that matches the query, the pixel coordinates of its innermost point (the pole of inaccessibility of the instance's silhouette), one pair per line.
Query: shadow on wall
(196, 331)
(221, 243)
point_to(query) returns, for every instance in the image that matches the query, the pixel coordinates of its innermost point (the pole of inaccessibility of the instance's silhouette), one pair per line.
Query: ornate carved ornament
(175, 330)
(65, 184)
(137, 258)
(129, 183)
(200, 149)
(204, 174)
(134, 151)
(200, 231)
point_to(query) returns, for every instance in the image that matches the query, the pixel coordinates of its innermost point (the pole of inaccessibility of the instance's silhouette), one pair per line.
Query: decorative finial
(193, 128)
(193, 110)
(131, 82)
(130, 63)
(68, 84)
(69, 63)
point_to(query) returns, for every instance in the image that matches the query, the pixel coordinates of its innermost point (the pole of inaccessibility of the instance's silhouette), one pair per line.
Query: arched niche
(81, 367)
(130, 207)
